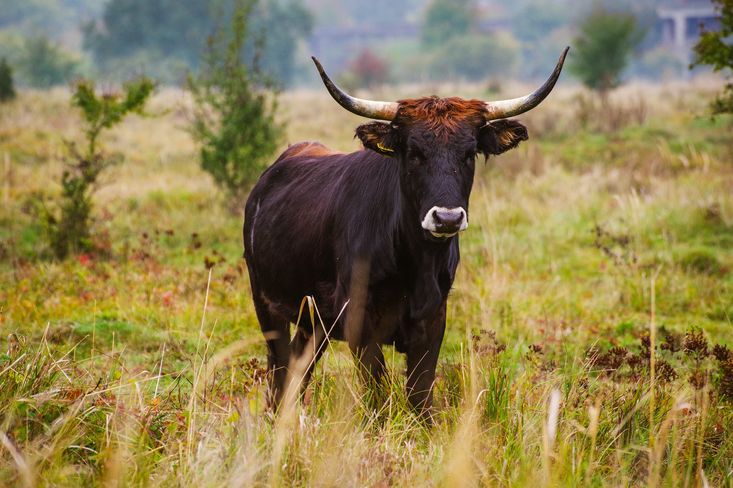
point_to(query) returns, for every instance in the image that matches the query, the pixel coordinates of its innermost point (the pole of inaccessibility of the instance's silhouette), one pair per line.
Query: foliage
(175, 32)
(474, 57)
(234, 116)
(446, 19)
(7, 89)
(44, 64)
(714, 49)
(69, 230)
(603, 47)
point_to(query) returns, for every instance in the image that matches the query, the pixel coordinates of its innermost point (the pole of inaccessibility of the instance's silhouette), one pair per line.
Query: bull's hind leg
(370, 361)
(277, 335)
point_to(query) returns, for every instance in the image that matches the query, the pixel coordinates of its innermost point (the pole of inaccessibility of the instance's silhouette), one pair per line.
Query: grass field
(587, 328)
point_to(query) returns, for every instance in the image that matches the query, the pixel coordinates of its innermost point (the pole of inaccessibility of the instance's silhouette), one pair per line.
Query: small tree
(234, 114)
(7, 89)
(714, 49)
(603, 47)
(69, 228)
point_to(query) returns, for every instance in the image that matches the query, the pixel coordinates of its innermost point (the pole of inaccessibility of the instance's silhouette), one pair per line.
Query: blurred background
(598, 263)
(51, 42)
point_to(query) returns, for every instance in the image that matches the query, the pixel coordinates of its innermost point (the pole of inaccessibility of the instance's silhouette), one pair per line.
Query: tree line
(164, 39)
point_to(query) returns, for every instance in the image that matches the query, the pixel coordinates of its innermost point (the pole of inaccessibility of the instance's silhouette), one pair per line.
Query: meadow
(589, 329)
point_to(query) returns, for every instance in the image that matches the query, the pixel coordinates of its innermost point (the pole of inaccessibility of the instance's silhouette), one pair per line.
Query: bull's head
(435, 141)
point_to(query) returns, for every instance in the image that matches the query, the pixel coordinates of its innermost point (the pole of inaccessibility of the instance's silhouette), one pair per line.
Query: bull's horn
(509, 108)
(366, 108)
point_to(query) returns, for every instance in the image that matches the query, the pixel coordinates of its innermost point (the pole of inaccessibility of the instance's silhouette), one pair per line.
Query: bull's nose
(448, 220)
(445, 222)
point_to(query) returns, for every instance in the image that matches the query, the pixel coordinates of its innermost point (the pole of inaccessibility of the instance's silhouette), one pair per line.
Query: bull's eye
(416, 156)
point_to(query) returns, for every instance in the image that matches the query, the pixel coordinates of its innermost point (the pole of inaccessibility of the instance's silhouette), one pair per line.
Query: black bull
(371, 236)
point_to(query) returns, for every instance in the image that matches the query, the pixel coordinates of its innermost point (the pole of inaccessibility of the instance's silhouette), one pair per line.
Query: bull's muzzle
(445, 222)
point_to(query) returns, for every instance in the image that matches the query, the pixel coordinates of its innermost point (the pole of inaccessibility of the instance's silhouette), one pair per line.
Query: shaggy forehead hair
(443, 116)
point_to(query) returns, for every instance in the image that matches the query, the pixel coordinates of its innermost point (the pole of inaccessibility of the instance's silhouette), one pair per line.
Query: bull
(372, 236)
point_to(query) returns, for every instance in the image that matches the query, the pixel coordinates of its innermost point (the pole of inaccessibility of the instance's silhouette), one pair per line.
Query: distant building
(682, 21)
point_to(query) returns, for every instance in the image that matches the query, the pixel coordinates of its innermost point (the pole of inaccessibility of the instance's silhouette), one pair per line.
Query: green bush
(603, 47)
(234, 115)
(7, 89)
(69, 228)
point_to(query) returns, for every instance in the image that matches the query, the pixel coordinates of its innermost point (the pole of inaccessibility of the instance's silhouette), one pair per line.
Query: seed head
(695, 343)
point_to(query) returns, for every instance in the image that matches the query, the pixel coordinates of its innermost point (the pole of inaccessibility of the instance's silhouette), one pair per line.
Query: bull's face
(436, 180)
(436, 142)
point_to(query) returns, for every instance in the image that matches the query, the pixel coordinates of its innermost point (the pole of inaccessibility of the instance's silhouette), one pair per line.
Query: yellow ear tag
(384, 148)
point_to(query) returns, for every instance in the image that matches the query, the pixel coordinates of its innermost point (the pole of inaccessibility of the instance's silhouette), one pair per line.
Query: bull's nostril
(448, 218)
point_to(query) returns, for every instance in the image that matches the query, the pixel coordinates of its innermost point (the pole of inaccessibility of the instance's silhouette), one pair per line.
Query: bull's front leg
(362, 333)
(423, 348)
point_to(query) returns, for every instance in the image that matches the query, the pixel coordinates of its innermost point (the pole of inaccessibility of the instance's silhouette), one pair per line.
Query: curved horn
(509, 108)
(359, 106)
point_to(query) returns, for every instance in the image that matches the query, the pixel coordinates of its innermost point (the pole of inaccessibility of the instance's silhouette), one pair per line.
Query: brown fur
(444, 116)
(507, 136)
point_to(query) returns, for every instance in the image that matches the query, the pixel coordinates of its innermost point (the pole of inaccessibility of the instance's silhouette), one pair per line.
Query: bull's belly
(384, 316)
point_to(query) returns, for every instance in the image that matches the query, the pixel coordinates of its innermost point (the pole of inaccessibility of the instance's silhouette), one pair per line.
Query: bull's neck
(426, 266)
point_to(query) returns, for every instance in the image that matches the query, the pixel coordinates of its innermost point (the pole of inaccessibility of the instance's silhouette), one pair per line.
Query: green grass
(142, 369)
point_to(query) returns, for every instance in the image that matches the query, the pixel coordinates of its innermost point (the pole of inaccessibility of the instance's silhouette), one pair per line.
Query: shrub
(69, 228)
(234, 114)
(603, 47)
(7, 89)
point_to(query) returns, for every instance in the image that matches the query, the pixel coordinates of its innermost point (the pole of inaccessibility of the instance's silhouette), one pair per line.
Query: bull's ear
(378, 136)
(500, 136)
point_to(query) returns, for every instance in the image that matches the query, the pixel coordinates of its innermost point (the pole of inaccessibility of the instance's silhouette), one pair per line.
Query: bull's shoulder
(308, 149)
